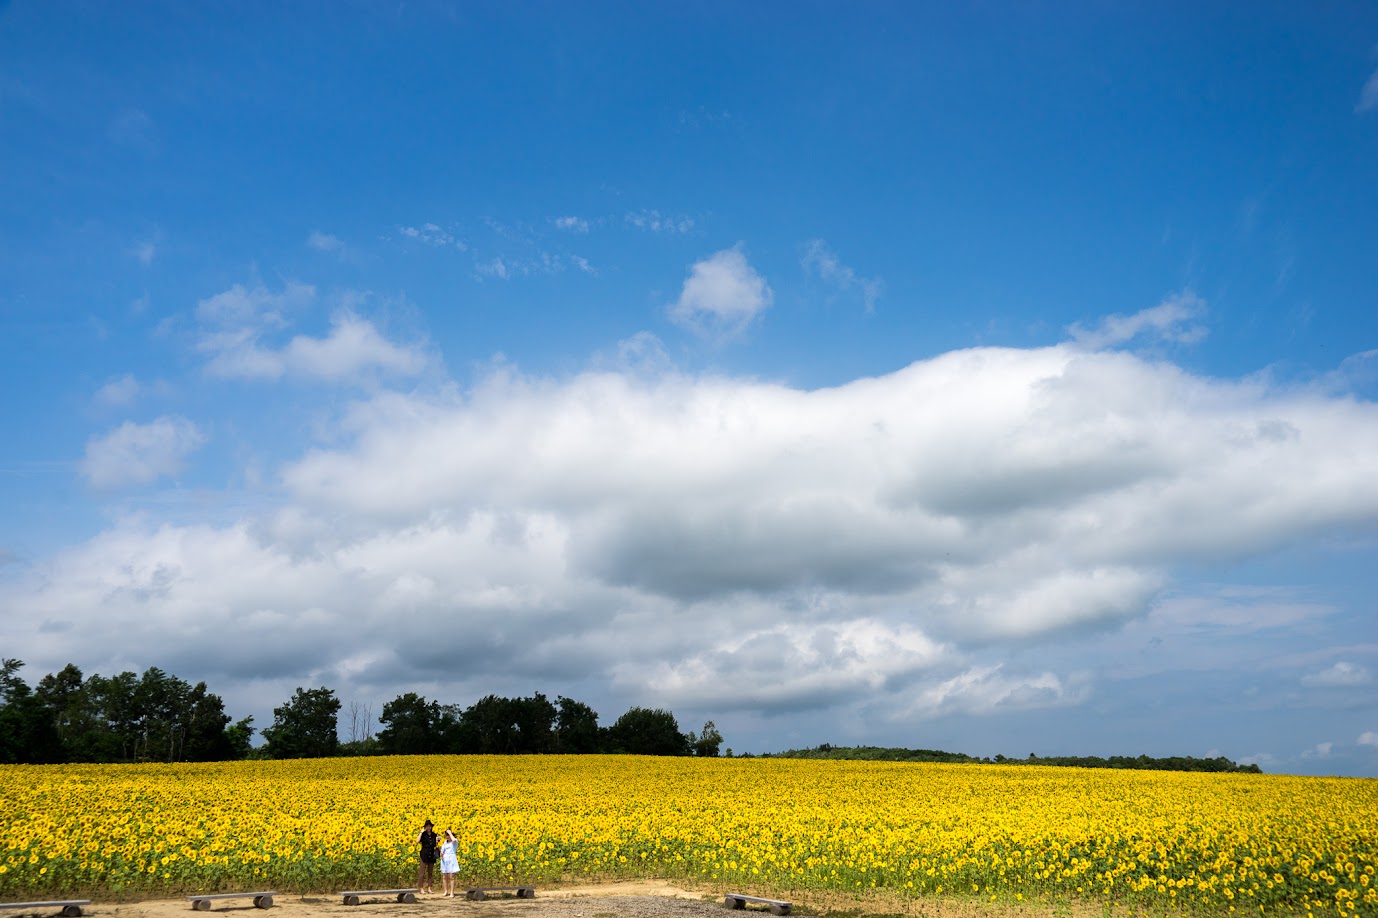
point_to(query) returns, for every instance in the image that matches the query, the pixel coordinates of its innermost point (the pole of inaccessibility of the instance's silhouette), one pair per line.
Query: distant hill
(1142, 762)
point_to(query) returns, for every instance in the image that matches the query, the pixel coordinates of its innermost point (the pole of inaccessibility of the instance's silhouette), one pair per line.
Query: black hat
(427, 823)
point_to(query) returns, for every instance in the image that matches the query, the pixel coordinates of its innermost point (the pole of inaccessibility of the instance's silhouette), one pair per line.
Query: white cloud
(145, 252)
(1355, 372)
(572, 224)
(889, 545)
(975, 469)
(119, 392)
(793, 665)
(506, 267)
(236, 322)
(1368, 96)
(654, 222)
(241, 305)
(1368, 738)
(1264, 760)
(643, 353)
(1168, 321)
(988, 495)
(433, 235)
(1234, 613)
(324, 242)
(987, 690)
(1340, 675)
(352, 347)
(721, 296)
(140, 453)
(821, 262)
(1318, 751)
(495, 267)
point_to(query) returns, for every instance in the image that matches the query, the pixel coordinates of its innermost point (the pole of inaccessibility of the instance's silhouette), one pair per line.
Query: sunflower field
(1150, 842)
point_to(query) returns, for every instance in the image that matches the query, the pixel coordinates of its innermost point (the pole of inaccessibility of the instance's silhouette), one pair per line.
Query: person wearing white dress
(449, 863)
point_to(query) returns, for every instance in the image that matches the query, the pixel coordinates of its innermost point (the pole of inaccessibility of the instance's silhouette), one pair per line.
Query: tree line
(1142, 762)
(158, 717)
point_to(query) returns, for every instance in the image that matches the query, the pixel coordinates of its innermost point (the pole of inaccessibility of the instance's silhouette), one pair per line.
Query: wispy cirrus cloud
(126, 389)
(324, 242)
(432, 234)
(571, 224)
(1339, 675)
(653, 221)
(507, 268)
(330, 244)
(1172, 320)
(1368, 96)
(820, 261)
(145, 251)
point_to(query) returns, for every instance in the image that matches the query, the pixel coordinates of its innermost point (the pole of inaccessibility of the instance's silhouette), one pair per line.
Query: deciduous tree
(305, 727)
(647, 731)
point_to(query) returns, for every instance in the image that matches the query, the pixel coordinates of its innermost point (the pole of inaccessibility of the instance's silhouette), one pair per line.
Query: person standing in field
(425, 875)
(449, 863)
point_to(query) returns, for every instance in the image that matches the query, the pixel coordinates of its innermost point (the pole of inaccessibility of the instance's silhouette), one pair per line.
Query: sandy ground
(636, 899)
(640, 899)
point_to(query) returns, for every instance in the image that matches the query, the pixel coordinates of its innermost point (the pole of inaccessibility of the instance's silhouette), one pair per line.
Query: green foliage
(706, 743)
(27, 732)
(305, 727)
(1143, 762)
(410, 726)
(155, 717)
(507, 726)
(158, 717)
(576, 727)
(495, 725)
(360, 747)
(647, 731)
(874, 754)
(240, 738)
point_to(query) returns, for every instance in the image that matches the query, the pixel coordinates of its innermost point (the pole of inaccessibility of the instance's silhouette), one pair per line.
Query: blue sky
(989, 377)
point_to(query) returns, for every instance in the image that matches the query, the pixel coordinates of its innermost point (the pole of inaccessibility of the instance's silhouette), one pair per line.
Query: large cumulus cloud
(723, 542)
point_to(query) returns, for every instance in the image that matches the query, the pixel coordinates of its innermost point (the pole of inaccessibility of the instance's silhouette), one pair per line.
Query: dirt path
(633, 899)
(639, 899)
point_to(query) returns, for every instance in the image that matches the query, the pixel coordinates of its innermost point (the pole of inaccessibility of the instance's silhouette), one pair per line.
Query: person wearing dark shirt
(425, 875)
